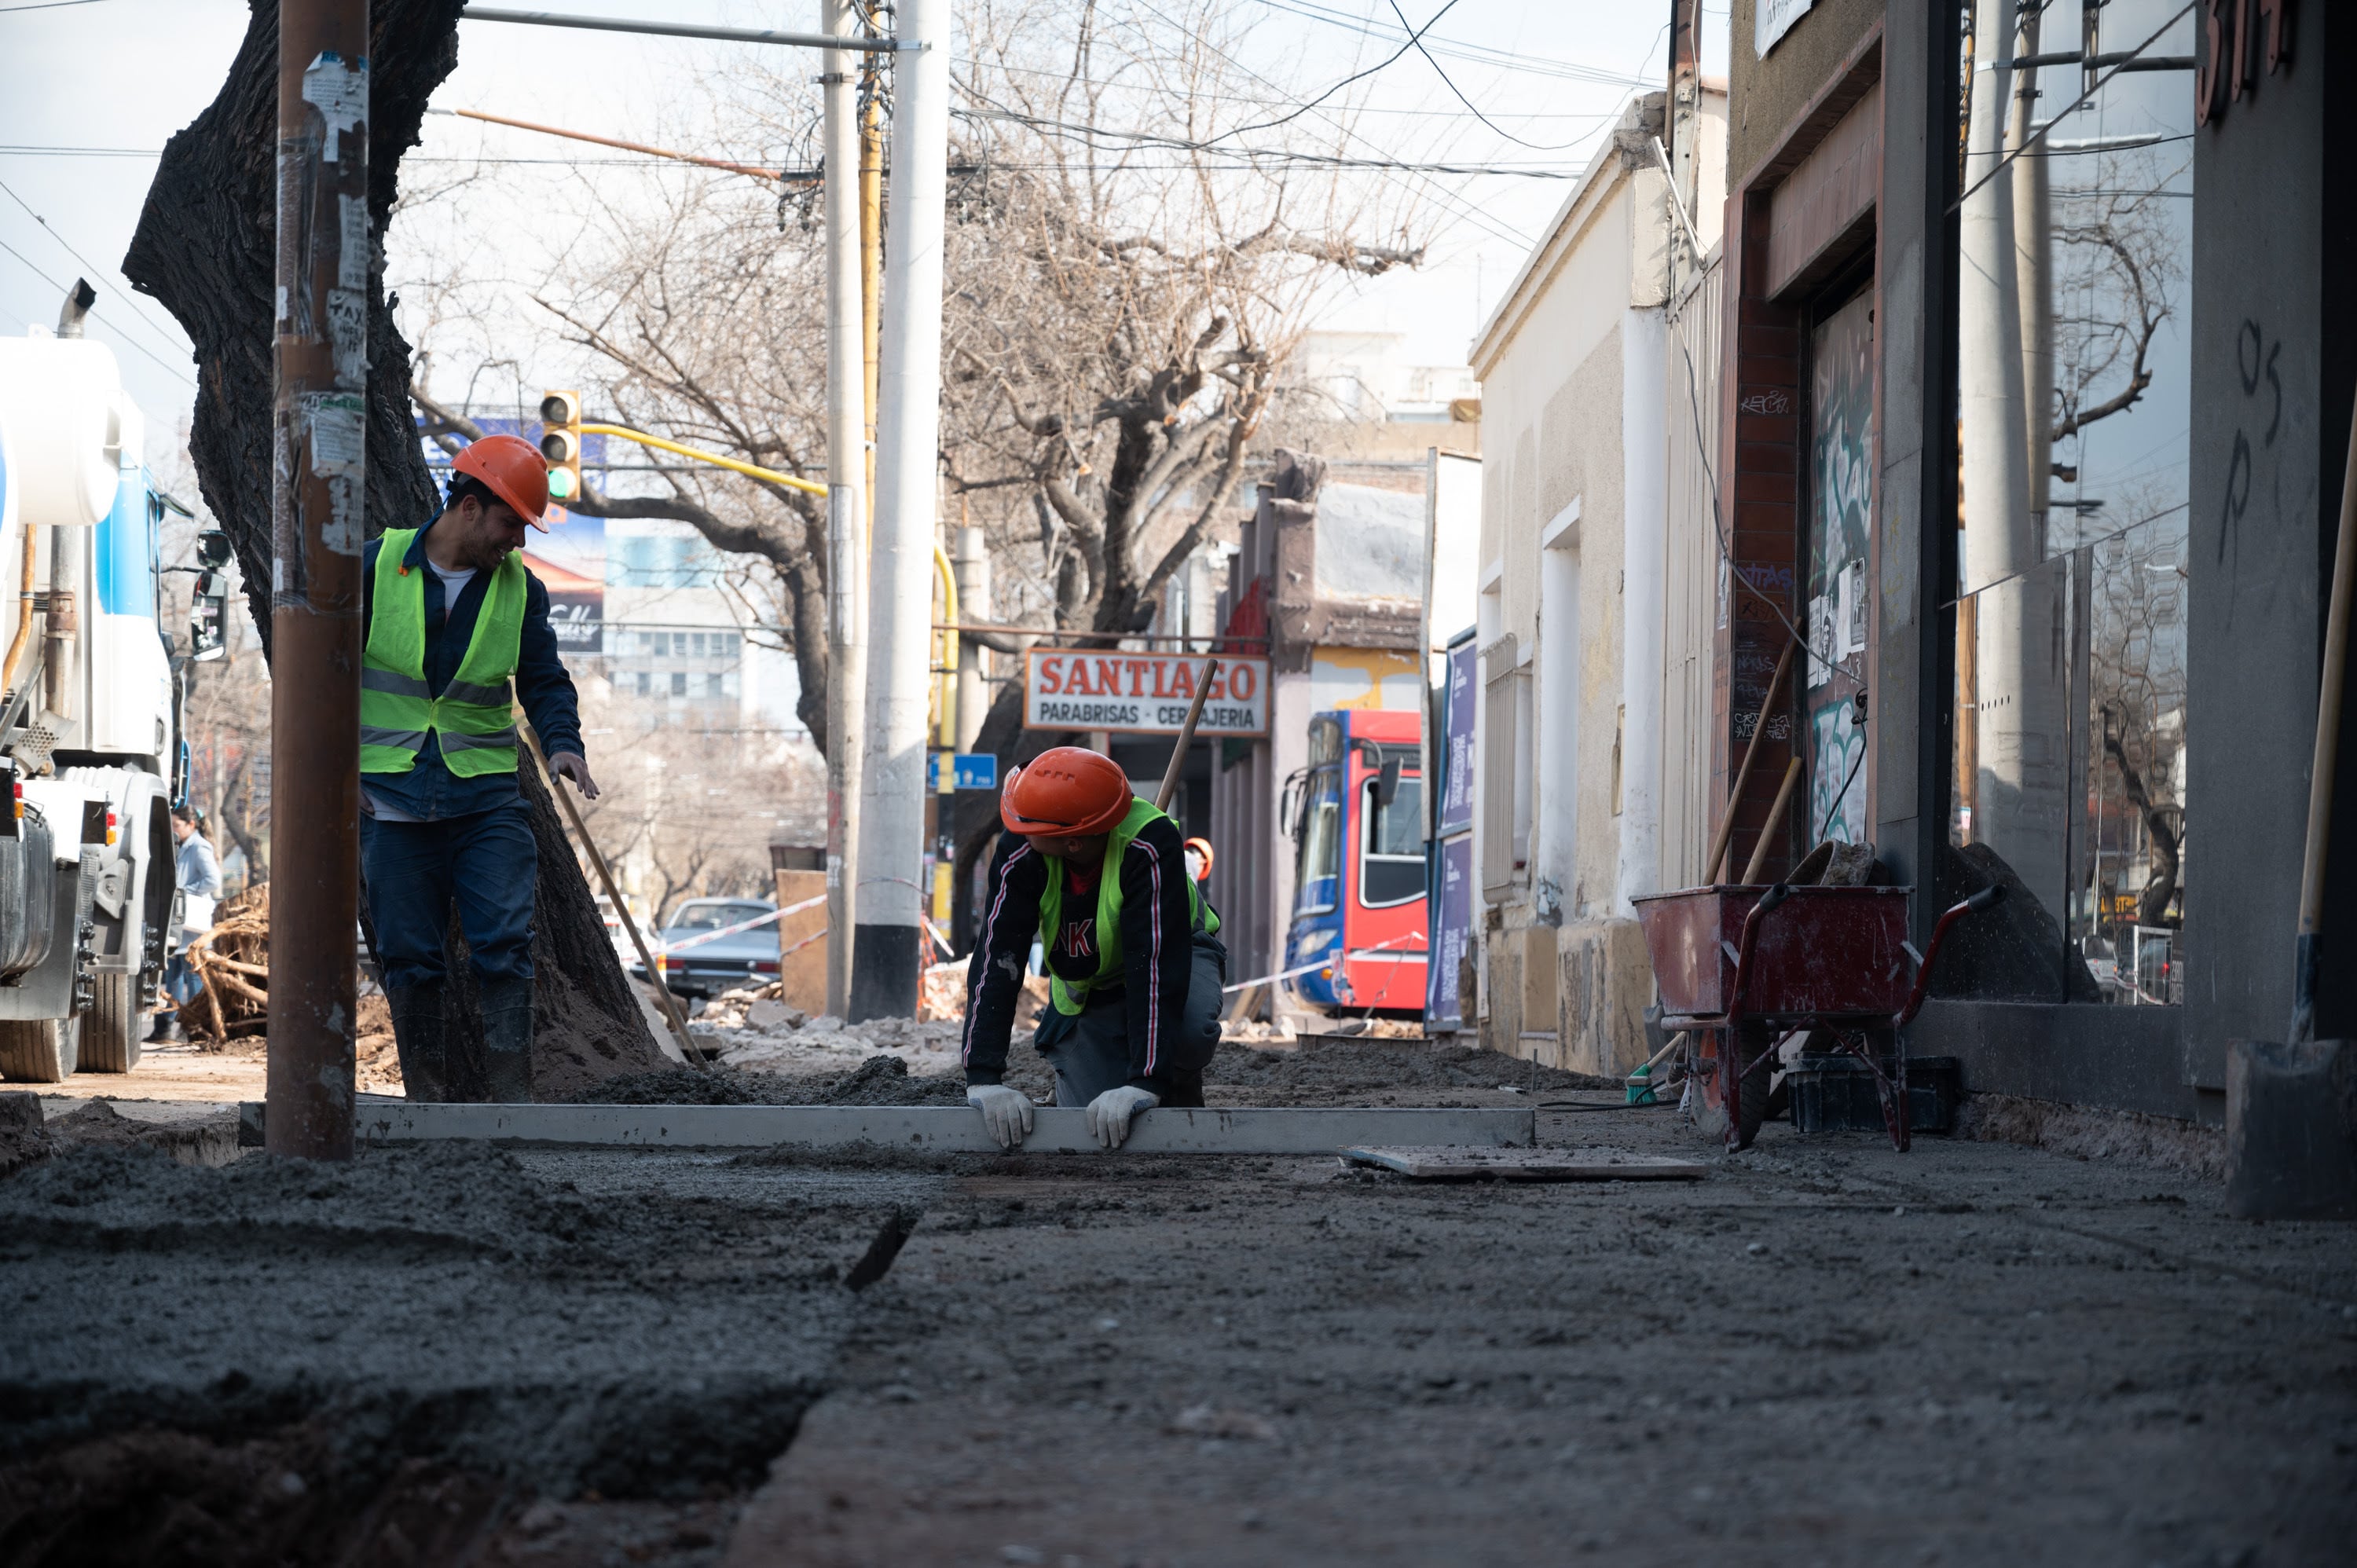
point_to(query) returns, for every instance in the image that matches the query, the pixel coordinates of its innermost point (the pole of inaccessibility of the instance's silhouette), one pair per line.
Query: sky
(91, 90)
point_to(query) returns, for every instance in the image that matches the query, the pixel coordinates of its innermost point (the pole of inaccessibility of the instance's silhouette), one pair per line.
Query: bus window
(1390, 847)
(1319, 875)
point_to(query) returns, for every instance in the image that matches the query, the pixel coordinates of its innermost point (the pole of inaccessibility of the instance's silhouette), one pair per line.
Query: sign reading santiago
(1142, 693)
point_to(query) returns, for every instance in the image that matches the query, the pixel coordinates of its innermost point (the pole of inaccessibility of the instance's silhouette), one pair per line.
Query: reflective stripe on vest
(1070, 999)
(474, 717)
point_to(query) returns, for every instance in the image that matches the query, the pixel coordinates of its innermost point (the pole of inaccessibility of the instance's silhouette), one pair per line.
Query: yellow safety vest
(474, 718)
(1069, 1000)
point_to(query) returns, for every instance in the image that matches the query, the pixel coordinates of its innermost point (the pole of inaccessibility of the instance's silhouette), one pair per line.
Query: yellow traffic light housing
(560, 443)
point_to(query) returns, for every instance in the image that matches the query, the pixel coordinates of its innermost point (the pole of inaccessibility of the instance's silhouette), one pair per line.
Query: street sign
(971, 771)
(1142, 693)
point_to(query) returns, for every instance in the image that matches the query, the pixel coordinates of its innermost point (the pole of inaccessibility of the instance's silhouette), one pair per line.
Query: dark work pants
(486, 864)
(1094, 1057)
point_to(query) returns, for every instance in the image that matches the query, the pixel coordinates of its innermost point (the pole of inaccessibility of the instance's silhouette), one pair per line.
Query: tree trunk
(207, 248)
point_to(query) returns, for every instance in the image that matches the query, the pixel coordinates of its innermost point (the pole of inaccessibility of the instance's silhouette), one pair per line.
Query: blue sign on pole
(969, 771)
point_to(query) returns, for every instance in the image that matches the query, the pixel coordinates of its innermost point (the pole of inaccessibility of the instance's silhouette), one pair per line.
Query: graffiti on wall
(1841, 506)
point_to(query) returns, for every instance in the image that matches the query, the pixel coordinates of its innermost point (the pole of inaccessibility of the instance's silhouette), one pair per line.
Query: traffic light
(560, 443)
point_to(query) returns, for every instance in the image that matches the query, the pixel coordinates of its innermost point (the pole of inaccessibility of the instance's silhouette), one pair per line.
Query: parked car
(707, 968)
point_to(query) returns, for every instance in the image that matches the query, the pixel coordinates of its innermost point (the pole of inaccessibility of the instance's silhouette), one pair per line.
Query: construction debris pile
(232, 962)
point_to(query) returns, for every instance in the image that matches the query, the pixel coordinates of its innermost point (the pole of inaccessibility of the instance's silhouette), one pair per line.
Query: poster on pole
(1142, 693)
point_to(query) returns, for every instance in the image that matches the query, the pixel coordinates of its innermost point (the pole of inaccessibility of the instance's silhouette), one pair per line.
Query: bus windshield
(1316, 881)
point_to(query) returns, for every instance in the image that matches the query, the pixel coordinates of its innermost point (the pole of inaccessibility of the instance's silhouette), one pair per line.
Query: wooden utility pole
(320, 406)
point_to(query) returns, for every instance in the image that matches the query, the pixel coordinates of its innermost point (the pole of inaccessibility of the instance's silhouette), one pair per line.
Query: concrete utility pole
(319, 464)
(2019, 785)
(908, 444)
(847, 468)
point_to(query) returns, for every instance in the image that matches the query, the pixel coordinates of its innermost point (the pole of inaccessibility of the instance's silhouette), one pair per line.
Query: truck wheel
(39, 1050)
(111, 1032)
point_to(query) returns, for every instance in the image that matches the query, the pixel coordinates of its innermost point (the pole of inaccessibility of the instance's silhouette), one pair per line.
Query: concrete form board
(944, 1128)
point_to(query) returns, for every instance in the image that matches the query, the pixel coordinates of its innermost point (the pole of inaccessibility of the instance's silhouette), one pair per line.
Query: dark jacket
(1158, 948)
(430, 792)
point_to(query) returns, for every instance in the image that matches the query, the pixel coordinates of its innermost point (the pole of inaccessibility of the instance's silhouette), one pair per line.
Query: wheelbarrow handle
(1768, 901)
(1987, 899)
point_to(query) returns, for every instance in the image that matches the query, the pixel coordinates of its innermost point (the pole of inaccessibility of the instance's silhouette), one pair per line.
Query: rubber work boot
(419, 1037)
(507, 1041)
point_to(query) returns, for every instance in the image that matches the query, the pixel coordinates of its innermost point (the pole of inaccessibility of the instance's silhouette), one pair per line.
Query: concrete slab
(941, 1128)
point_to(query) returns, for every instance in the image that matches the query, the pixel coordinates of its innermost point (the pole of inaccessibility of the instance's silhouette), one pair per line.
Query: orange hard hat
(515, 469)
(1067, 789)
(1200, 848)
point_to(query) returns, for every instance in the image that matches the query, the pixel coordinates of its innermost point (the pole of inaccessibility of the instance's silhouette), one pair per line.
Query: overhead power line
(1473, 54)
(91, 266)
(1417, 39)
(1355, 76)
(179, 371)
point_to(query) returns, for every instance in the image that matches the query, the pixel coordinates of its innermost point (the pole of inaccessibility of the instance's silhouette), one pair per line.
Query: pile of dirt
(209, 1139)
(2085, 1133)
(23, 1140)
(453, 1307)
(879, 1080)
(685, 1086)
(1324, 1071)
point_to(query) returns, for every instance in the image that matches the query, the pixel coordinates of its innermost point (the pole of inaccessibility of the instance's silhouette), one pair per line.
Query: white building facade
(1583, 623)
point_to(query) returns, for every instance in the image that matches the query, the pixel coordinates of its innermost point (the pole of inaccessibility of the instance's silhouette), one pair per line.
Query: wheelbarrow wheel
(1711, 1116)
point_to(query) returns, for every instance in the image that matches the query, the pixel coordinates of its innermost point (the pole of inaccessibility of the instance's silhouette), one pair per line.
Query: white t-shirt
(453, 582)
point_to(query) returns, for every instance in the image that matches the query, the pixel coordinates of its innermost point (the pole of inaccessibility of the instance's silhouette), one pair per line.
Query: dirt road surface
(1826, 1352)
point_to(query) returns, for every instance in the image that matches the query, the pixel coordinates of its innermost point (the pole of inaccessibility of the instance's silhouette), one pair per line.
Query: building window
(645, 683)
(679, 683)
(2074, 365)
(1505, 770)
(715, 685)
(1390, 847)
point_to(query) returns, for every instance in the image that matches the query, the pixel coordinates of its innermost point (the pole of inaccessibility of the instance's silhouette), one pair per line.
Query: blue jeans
(485, 863)
(180, 981)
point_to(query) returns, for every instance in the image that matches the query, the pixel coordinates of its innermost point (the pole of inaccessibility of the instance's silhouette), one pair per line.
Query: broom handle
(663, 989)
(1775, 819)
(1185, 738)
(2328, 751)
(1743, 775)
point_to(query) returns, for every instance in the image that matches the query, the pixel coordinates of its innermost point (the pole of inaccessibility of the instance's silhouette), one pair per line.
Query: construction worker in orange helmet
(456, 632)
(1134, 963)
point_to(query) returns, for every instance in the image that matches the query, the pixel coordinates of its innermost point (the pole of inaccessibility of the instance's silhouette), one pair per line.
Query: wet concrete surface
(1825, 1352)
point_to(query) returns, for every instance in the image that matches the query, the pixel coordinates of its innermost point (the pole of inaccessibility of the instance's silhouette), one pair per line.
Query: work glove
(1109, 1112)
(1005, 1111)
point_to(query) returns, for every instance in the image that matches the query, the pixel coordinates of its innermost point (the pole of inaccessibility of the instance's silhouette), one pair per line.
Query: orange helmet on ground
(515, 471)
(1066, 790)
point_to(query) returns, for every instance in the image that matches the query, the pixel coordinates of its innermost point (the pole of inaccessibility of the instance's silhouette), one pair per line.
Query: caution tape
(1323, 963)
(698, 941)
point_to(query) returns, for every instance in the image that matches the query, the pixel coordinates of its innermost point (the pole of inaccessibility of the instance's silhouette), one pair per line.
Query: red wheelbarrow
(1743, 969)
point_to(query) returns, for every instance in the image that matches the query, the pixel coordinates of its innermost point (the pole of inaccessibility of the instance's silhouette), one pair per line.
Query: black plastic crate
(1836, 1094)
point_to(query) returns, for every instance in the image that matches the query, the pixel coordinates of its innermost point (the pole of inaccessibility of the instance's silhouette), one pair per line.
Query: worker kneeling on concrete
(454, 624)
(1133, 967)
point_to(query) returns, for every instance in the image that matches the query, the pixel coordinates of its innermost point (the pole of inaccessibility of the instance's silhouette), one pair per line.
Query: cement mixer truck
(90, 740)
